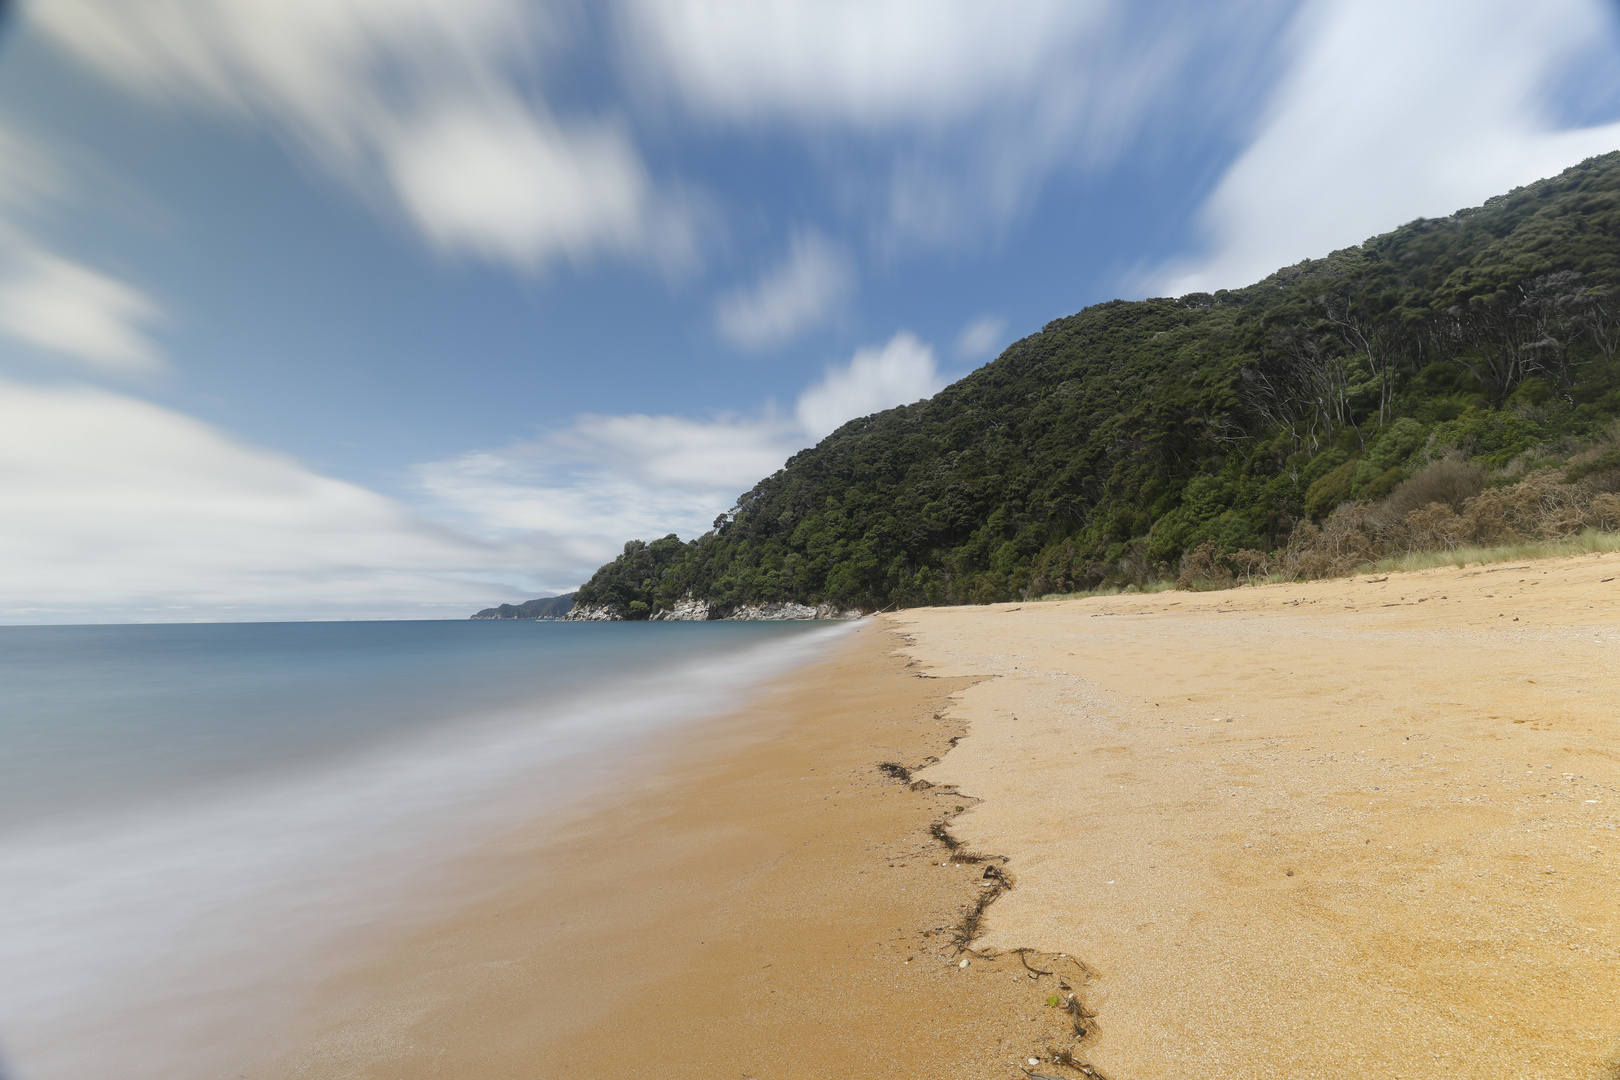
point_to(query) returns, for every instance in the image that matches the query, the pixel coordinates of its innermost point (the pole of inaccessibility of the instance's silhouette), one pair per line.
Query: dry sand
(1340, 829)
(1345, 829)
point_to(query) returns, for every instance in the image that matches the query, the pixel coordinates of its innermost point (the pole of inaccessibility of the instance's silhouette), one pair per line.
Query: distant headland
(547, 607)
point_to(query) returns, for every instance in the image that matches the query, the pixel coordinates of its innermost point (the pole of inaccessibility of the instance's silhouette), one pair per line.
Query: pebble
(964, 962)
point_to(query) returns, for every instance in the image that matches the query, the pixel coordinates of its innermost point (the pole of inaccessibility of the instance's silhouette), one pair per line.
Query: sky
(404, 308)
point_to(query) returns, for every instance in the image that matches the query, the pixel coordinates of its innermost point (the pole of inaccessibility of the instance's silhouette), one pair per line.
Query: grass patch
(1590, 542)
(1128, 590)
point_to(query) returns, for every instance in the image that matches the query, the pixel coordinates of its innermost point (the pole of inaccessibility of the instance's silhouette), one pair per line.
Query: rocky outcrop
(691, 609)
(591, 614)
(686, 609)
(781, 610)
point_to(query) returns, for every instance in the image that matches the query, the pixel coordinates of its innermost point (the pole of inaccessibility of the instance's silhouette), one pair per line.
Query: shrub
(1604, 512)
(1203, 568)
(1250, 563)
(1436, 527)
(1387, 456)
(1538, 508)
(1449, 482)
(1331, 490)
(1494, 437)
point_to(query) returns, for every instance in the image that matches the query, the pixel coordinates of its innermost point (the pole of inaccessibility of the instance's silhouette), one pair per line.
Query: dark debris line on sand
(992, 884)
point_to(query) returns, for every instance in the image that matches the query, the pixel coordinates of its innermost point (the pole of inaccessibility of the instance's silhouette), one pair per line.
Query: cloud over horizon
(120, 510)
(588, 488)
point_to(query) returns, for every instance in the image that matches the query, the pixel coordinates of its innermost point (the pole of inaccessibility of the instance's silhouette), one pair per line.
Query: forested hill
(1102, 448)
(547, 607)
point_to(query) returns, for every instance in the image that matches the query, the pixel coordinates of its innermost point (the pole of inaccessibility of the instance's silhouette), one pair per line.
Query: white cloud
(968, 106)
(27, 172)
(1393, 111)
(500, 181)
(899, 373)
(54, 303)
(728, 454)
(121, 510)
(117, 509)
(869, 63)
(794, 296)
(419, 97)
(67, 308)
(980, 338)
(965, 108)
(580, 493)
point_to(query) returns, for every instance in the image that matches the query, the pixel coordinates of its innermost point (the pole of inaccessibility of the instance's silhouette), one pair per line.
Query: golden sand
(762, 904)
(1343, 829)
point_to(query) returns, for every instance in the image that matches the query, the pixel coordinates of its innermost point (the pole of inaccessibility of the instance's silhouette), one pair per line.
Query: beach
(762, 900)
(1329, 829)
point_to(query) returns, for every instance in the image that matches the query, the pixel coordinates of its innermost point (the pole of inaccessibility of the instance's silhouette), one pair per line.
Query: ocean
(195, 819)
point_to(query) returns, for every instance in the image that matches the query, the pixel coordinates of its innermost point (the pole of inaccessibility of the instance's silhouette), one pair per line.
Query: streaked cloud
(981, 338)
(580, 492)
(954, 114)
(800, 293)
(420, 99)
(1455, 111)
(512, 186)
(61, 306)
(863, 63)
(899, 373)
(913, 123)
(54, 304)
(121, 510)
(28, 172)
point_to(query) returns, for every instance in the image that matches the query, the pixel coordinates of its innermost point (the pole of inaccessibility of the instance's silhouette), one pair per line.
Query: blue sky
(399, 308)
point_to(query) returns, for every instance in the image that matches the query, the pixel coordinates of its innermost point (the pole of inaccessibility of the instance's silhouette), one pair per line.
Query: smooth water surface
(193, 816)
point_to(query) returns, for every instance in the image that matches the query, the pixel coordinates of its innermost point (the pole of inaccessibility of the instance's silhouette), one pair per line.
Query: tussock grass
(1128, 590)
(1590, 542)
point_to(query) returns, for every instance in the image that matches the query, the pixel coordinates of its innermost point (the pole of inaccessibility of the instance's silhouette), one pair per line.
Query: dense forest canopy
(1101, 449)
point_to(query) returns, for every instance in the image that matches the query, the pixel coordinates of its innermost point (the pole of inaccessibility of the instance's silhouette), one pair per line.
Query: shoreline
(1326, 829)
(765, 901)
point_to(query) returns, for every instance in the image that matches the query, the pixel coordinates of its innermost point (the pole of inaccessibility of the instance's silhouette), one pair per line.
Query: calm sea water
(193, 817)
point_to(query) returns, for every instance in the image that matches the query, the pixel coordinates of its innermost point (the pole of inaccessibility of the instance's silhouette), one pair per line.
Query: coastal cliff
(686, 609)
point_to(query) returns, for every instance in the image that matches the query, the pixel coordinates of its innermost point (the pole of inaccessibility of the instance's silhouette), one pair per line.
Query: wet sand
(1339, 829)
(766, 902)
